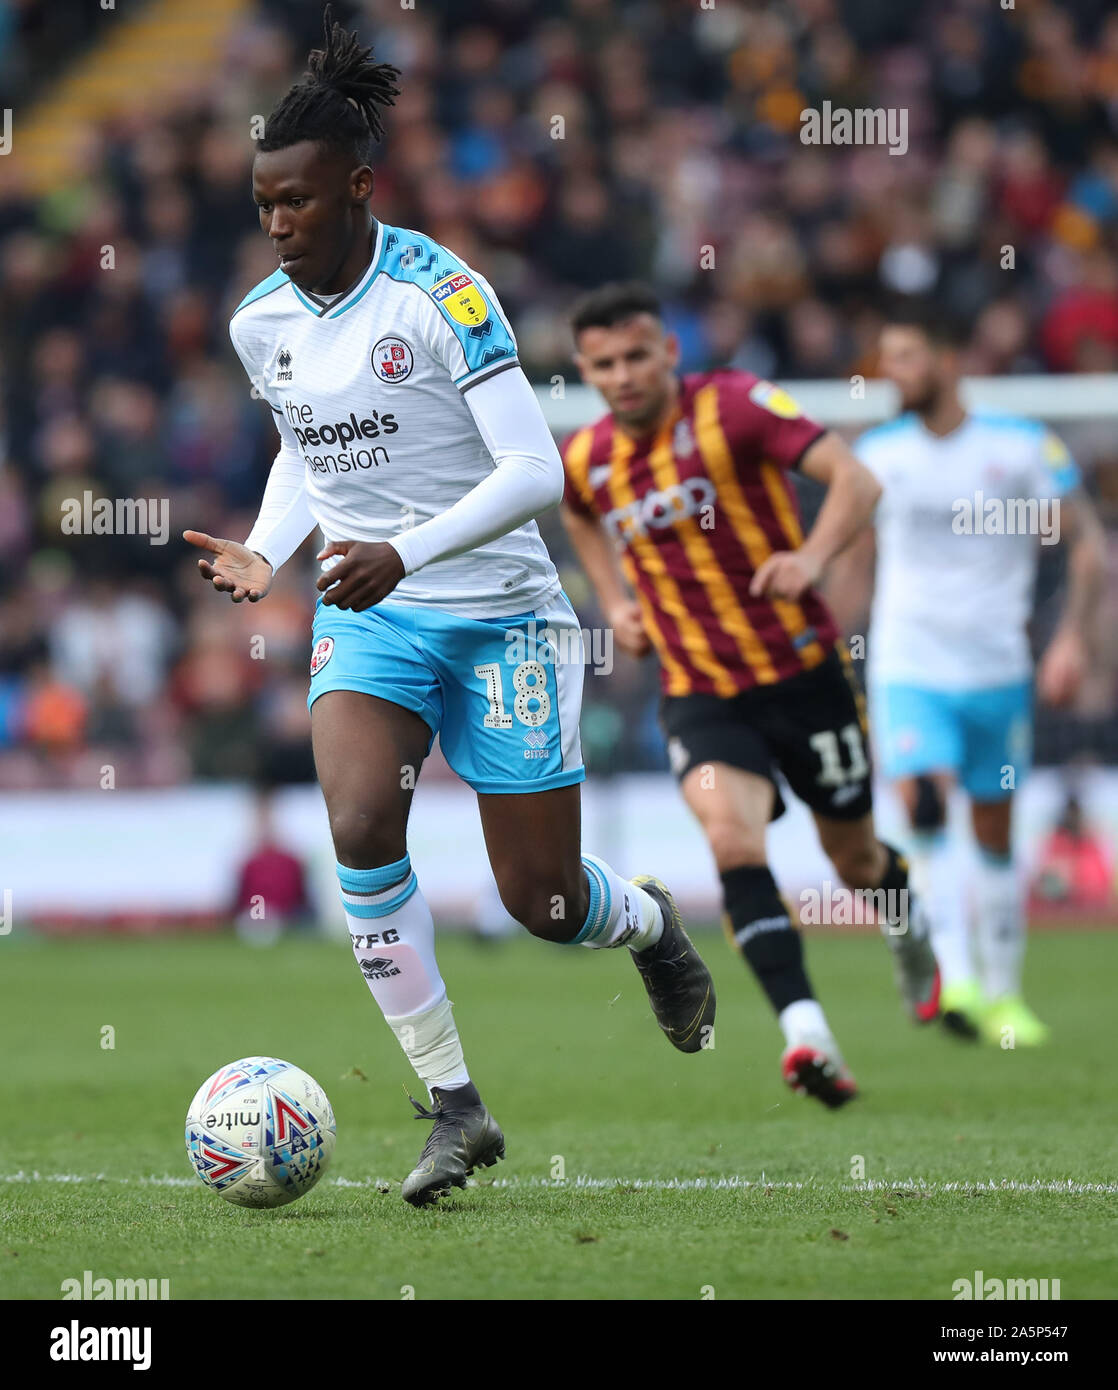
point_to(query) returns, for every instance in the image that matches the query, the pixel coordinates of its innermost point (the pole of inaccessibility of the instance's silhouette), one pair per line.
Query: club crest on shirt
(775, 400)
(683, 441)
(323, 651)
(458, 296)
(392, 359)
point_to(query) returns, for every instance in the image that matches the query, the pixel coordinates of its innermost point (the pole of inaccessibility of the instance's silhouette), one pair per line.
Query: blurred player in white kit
(968, 498)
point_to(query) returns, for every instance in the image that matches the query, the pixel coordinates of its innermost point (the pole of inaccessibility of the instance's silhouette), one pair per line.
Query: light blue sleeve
(470, 310)
(465, 326)
(1057, 473)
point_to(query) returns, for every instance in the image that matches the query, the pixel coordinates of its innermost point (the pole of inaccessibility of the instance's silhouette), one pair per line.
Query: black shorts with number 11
(811, 727)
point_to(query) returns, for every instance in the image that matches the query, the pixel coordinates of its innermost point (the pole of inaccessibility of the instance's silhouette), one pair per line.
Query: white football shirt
(368, 388)
(959, 526)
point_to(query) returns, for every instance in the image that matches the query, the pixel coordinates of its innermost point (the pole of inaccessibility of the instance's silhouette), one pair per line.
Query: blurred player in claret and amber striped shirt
(686, 483)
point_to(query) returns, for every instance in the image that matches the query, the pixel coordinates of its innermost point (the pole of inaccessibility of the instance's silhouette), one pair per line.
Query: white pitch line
(1054, 1186)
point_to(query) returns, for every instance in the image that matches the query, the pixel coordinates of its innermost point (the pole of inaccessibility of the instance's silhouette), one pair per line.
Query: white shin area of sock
(396, 953)
(938, 866)
(620, 914)
(1001, 925)
(433, 1047)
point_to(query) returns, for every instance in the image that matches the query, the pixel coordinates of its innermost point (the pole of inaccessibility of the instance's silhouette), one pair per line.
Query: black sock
(895, 884)
(896, 871)
(764, 934)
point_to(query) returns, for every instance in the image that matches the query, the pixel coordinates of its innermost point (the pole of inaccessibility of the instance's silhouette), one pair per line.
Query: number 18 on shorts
(503, 694)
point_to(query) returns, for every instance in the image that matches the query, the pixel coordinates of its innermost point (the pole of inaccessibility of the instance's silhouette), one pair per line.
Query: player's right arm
(234, 570)
(283, 524)
(852, 493)
(599, 559)
(785, 435)
(848, 582)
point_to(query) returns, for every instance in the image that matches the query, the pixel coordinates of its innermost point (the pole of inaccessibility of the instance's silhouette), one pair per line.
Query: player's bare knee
(543, 915)
(551, 909)
(362, 839)
(733, 844)
(993, 842)
(858, 865)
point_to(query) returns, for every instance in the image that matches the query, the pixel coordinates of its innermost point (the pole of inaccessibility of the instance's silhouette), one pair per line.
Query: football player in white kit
(410, 435)
(968, 498)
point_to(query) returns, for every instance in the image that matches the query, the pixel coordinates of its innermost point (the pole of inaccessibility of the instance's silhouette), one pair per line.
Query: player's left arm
(526, 480)
(852, 493)
(527, 477)
(1064, 663)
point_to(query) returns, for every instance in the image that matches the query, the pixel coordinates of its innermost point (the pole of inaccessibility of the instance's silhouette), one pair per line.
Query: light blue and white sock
(620, 913)
(393, 937)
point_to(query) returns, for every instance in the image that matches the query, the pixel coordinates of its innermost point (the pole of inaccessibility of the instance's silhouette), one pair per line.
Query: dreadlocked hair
(339, 100)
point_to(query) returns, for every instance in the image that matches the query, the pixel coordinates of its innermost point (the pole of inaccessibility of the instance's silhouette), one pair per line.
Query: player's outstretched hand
(1062, 668)
(369, 572)
(785, 575)
(236, 570)
(628, 630)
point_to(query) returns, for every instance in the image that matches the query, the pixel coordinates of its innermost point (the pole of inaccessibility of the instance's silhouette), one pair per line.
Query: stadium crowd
(553, 146)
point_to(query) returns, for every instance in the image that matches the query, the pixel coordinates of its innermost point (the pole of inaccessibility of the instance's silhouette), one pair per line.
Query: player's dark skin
(368, 753)
(316, 210)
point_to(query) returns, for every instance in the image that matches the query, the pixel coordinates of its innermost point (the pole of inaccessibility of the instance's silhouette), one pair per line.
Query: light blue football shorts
(984, 737)
(503, 694)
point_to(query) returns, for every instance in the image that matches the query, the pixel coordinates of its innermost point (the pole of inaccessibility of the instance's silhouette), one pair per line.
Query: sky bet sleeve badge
(774, 399)
(460, 299)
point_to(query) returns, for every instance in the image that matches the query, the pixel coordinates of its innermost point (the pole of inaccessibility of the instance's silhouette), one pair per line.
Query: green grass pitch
(93, 1170)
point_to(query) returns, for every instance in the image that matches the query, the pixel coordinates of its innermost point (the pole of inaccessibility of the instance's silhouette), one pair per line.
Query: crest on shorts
(323, 651)
(678, 755)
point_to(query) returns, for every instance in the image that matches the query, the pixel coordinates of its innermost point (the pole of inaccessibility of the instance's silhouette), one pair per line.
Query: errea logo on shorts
(536, 739)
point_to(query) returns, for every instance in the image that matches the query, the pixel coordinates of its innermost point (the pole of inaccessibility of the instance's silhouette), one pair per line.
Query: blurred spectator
(555, 147)
(1075, 872)
(272, 894)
